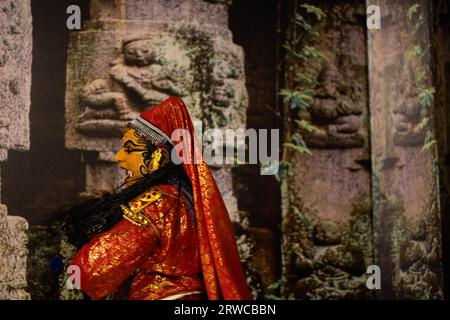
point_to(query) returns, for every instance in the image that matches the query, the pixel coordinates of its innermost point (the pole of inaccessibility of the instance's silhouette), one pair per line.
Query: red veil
(221, 266)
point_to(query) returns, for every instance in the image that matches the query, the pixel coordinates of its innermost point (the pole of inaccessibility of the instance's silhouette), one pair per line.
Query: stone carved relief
(154, 69)
(417, 256)
(327, 230)
(406, 198)
(15, 86)
(206, 72)
(13, 250)
(336, 110)
(150, 69)
(328, 260)
(229, 95)
(99, 100)
(407, 111)
(338, 99)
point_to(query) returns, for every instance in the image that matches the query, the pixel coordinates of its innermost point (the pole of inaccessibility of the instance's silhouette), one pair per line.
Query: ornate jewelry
(133, 210)
(159, 158)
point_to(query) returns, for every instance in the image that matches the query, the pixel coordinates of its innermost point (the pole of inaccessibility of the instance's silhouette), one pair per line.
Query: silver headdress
(151, 132)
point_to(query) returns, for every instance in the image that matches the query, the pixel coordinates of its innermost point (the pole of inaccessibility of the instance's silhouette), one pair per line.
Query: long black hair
(96, 214)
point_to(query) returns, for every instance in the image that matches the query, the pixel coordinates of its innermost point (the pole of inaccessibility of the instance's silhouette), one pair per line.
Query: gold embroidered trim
(133, 211)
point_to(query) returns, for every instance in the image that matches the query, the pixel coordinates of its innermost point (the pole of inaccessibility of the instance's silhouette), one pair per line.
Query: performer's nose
(119, 157)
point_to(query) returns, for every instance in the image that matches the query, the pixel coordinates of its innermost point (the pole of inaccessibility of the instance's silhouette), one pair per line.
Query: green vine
(301, 79)
(419, 58)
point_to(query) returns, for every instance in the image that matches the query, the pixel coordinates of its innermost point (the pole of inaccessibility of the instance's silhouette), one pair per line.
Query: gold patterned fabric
(156, 267)
(220, 262)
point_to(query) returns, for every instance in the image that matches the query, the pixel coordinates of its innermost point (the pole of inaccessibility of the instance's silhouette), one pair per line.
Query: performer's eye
(128, 149)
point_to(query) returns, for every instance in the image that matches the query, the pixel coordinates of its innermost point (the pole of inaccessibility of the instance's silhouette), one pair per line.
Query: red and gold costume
(162, 248)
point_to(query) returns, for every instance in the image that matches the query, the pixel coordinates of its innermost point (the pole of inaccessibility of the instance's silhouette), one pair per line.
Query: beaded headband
(151, 132)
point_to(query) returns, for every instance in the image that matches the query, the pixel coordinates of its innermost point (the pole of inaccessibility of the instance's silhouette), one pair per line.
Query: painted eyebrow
(132, 144)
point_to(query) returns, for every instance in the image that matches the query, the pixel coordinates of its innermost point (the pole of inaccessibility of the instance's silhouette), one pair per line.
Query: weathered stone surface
(407, 218)
(326, 229)
(3, 155)
(15, 86)
(211, 12)
(15, 68)
(117, 87)
(13, 253)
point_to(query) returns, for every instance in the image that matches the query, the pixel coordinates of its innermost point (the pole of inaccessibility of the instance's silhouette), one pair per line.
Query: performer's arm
(111, 257)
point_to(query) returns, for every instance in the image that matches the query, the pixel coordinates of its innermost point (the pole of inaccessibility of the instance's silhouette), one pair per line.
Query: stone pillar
(133, 54)
(326, 204)
(15, 86)
(407, 228)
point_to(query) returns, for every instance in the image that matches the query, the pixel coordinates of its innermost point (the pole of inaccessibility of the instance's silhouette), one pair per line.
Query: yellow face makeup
(132, 155)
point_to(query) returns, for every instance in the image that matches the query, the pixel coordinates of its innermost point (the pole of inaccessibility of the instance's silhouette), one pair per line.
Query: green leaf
(291, 51)
(273, 291)
(429, 141)
(284, 170)
(419, 75)
(311, 52)
(416, 52)
(302, 217)
(306, 79)
(296, 99)
(303, 124)
(426, 97)
(412, 10)
(299, 149)
(300, 21)
(276, 285)
(297, 140)
(314, 10)
(428, 145)
(423, 123)
(418, 24)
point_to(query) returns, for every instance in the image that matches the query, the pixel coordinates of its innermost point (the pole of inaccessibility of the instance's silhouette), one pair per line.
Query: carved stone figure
(229, 96)
(407, 111)
(327, 236)
(152, 71)
(336, 109)
(149, 69)
(100, 101)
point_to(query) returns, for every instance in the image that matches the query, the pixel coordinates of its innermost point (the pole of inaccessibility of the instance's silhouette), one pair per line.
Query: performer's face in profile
(131, 156)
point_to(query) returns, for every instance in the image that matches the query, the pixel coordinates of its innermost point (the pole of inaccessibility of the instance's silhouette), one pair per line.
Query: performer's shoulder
(133, 211)
(153, 194)
(166, 189)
